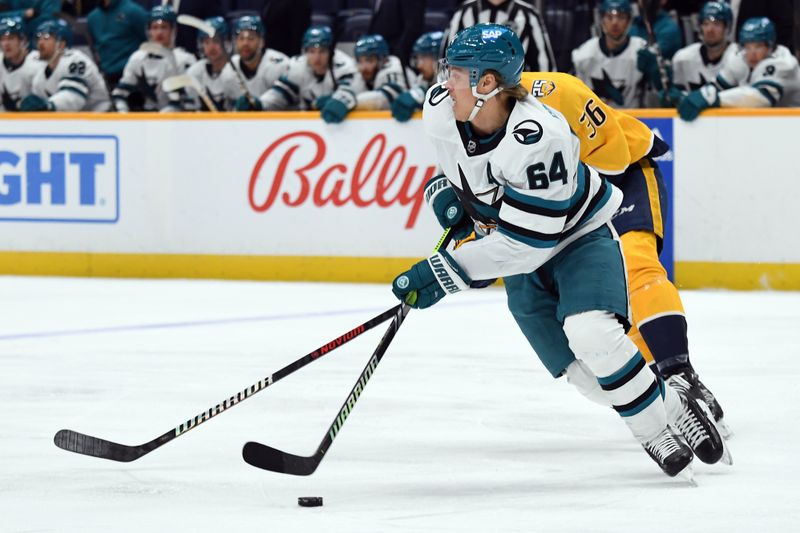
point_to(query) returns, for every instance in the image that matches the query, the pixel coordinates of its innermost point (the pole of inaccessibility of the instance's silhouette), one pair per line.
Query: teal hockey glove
(33, 102)
(320, 102)
(671, 98)
(338, 106)
(243, 104)
(647, 63)
(442, 199)
(430, 280)
(404, 106)
(696, 101)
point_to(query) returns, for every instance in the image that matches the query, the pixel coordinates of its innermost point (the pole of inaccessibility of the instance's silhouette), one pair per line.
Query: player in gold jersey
(623, 149)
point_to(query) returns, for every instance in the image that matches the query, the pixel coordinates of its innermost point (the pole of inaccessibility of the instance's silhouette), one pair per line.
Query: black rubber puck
(309, 501)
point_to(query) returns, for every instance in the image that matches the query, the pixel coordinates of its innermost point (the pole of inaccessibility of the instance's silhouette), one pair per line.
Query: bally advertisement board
(286, 196)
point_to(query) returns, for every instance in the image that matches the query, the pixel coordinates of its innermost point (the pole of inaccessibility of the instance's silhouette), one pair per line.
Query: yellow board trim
(737, 276)
(241, 267)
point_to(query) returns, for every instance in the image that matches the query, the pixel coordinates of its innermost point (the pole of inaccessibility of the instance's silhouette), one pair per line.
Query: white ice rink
(460, 428)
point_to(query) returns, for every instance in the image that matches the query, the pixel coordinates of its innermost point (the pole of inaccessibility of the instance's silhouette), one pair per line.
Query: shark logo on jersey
(606, 88)
(703, 81)
(528, 132)
(542, 88)
(438, 94)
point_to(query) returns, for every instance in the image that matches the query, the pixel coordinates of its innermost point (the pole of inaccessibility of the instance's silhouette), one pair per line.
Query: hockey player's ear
(488, 83)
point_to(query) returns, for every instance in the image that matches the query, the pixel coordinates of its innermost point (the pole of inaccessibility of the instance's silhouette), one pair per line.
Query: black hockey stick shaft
(274, 460)
(650, 10)
(74, 441)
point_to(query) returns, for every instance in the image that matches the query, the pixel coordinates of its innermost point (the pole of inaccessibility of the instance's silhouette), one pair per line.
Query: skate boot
(673, 456)
(701, 393)
(696, 427)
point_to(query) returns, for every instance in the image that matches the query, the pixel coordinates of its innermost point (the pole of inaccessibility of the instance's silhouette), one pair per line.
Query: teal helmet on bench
(758, 30)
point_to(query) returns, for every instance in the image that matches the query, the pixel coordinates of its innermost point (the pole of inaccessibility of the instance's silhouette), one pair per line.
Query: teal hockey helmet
(615, 6)
(318, 37)
(220, 29)
(165, 13)
(12, 26)
(485, 47)
(372, 45)
(758, 30)
(715, 10)
(249, 23)
(58, 28)
(428, 44)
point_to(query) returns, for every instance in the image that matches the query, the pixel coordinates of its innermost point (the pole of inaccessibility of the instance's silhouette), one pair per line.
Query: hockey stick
(182, 81)
(649, 12)
(274, 460)
(208, 29)
(73, 441)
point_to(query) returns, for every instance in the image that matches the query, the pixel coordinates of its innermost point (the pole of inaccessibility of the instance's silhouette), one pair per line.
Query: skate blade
(727, 458)
(724, 430)
(687, 475)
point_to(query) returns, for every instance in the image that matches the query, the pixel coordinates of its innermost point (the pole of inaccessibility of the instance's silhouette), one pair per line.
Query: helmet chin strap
(482, 99)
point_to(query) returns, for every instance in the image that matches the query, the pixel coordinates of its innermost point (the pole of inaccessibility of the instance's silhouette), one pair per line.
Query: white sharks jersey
(613, 76)
(273, 65)
(223, 88)
(145, 71)
(389, 82)
(16, 80)
(691, 68)
(526, 178)
(74, 85)
(776, 78)
(300, 87)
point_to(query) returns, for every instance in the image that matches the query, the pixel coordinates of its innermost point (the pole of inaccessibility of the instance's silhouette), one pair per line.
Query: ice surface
(460, 428)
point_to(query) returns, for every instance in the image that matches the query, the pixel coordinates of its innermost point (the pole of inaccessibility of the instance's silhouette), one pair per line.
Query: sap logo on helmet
(491, 35)
(59, 178)
(528, 132)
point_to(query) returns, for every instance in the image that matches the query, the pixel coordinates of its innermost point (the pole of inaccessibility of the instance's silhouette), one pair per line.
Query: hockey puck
(309, 501)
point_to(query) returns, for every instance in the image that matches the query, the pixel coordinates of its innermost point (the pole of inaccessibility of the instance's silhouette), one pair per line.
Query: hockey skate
(672, 455)
(697, 426)
(701, 393)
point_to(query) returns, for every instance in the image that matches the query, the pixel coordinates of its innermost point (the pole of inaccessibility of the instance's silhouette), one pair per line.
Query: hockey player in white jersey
(512, 172)
(214, 72)
(17, 66)
(148, 67)
(70, 80)
(700, 63)
(424, 61)
(608, 64)
(260, 67)
(382, 77)
(761, 74)
(311, 77)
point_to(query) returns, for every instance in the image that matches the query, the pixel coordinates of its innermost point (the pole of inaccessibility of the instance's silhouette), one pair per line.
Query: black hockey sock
(667, 340)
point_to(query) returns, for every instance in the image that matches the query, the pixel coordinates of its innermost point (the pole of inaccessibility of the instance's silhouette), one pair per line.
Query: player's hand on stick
(34, 102)
(647, 63)
(430, 280)
(671, 98)
(696, 101)
(447, 207)
(243, 103)
(404, 106)
(338, 106)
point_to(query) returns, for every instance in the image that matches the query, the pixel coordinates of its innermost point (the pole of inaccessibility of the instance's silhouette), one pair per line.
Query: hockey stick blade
(73, 441)
(199, 24)
(274, 460)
